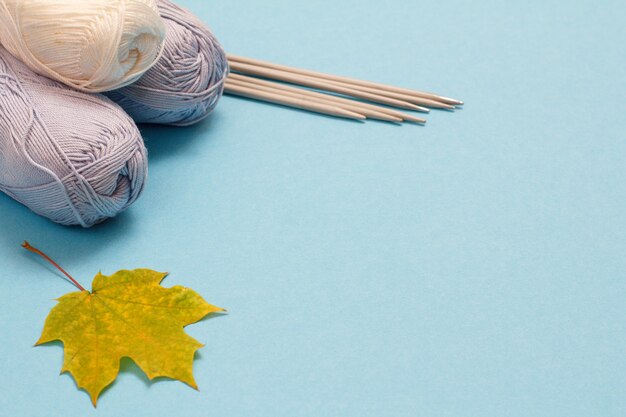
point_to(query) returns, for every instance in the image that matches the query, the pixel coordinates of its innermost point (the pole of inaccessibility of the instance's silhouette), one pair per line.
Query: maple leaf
(128, 314)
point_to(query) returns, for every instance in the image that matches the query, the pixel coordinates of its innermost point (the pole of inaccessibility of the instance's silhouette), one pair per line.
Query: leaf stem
(27, 246)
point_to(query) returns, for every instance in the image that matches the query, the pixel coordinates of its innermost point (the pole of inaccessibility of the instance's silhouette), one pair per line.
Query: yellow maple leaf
(128, 314)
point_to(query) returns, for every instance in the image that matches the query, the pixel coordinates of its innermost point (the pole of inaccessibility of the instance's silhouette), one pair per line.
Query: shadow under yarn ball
(186, 83)
(74, 158)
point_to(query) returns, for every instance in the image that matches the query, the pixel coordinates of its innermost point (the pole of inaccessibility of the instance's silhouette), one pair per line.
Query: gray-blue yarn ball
(187, 81)
(75, 158)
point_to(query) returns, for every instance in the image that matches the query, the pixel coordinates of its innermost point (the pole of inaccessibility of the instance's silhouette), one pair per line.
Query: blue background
(472, 267)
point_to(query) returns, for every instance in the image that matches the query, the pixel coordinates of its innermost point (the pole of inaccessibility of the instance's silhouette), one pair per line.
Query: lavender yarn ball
(74, 158)
(186, 83)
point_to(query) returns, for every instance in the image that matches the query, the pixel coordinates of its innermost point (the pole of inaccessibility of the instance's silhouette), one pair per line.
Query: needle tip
(415, 107)
(417, 120)
(451, 101)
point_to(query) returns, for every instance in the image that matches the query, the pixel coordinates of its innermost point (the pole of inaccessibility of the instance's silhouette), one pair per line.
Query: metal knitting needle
(322, 85)
(411, 99)
(378, 86)
(363, 107)
(299, 103)
(370, 114)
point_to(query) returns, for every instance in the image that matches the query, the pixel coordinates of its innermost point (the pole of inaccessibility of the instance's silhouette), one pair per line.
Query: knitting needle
(346, 80)
(299, 103)
(322, 85)
(404, 97)
(370, 114)
(333, 98)
(339, 101)
(411, 99)
(363, 107)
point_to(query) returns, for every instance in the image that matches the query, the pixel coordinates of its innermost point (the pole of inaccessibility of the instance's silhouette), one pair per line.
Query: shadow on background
(166, 142)
(18, 223)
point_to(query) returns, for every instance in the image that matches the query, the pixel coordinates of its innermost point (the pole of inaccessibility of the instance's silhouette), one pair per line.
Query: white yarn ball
(91, 45)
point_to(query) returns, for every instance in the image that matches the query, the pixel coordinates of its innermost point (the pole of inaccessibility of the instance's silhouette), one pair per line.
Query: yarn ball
(91, 45)
(187, 82)
(74, 158)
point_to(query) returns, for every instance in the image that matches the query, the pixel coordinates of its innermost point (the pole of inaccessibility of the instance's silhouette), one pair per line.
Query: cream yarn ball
(91, 45)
